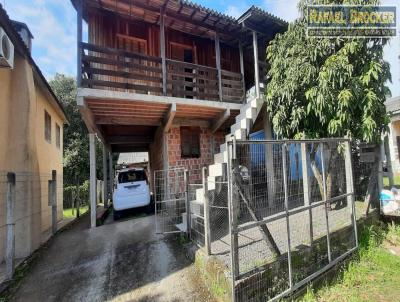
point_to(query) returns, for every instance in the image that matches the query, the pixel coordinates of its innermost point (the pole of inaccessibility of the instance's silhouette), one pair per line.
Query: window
(58, 136)
(190, 142)
(131, 176)
(47, 126)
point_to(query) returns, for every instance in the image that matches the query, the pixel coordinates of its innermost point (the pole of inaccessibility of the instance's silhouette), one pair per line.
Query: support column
(388, 160)
(306, 187)
(93, 192)
(256, 67)
(269, 161)
(242, 70)
(79, 41)
(162, 50)
(105, 177)
(111, 174)
(218, 64)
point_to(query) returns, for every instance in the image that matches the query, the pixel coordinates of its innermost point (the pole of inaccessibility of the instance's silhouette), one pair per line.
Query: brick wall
(209, 145)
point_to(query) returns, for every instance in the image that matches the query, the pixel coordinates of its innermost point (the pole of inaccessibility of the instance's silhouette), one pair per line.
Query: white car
(131, 190)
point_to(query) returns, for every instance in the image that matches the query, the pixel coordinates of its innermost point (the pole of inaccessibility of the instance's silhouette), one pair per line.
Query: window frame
(194, 141)
(58, 136)
(47, 126)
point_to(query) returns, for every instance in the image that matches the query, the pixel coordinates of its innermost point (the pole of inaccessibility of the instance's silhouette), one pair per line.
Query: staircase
(217, 172)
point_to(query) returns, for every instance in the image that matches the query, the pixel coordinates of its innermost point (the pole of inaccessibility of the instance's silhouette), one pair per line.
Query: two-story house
(170, 78)
(31, 141)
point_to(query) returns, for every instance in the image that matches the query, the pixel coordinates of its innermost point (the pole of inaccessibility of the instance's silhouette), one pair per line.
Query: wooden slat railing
(114, 69)
(232, 87)
(120, 70)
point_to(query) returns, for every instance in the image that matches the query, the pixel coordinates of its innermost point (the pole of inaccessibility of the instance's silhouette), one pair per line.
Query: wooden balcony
(119, 70)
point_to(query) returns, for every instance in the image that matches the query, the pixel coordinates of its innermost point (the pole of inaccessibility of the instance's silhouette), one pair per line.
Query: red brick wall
(207, 151)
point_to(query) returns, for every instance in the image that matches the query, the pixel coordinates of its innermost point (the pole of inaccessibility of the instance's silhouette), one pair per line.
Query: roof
(187, 16)
(393, 105)
(21, 47)
(19, 25)
(133, 158)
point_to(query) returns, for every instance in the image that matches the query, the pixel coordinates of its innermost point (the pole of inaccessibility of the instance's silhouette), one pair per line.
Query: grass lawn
(372, 275)
(396, 181)
(71, 213)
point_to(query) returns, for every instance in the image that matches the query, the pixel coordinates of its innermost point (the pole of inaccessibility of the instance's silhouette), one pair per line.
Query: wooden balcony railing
(114, 69)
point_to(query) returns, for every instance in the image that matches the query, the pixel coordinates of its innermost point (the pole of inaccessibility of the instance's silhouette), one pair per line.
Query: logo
(351, 21)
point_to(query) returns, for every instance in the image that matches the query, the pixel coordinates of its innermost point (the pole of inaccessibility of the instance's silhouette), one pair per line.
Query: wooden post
(10, 249)
(242, 70)
(306, 187)
(207, 229)
(162, 51)
(256, 67)
(105, 177)
(54, 201)
(79, 41)
(93, 193)
(218, 65)
(111, 173)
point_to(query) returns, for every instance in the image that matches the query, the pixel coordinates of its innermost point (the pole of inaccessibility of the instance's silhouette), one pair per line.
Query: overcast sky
(53, 24)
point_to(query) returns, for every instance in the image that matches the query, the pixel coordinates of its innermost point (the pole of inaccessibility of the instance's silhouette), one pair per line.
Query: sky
(53, 25)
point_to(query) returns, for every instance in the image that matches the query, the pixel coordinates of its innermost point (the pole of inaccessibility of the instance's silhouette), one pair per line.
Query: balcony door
(184, 79)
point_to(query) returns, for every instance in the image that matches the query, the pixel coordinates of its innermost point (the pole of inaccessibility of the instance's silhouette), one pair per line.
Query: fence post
(388, 160)
(54, 201)
(188, 210)
(328, 239)
(207, 228)
(350, 188)
(233, 211)
(77, 201)
(285, 187)
(10, 249)
(306, 187)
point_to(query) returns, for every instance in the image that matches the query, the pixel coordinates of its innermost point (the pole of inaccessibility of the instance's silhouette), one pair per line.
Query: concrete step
(216, 169)
(197, 207)
(222, 148)
(244, 123)
(241, 134)
(221, 157)
(200, 194)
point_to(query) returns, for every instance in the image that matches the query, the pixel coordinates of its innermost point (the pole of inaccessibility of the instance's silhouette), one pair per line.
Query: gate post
(306, 187)
(188, 210)
(207, 228)
(285, 188)
(233, 215)
(54, 201)
(328, 239)
(10, 249)
(350, 187)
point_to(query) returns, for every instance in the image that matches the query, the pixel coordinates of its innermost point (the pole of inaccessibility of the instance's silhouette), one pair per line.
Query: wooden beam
(218, 64)
(162, 50)
(221, 120)
(242, 70)
(126, 121)
(169, 118)
(79, 41)
(256, 67)
(129, 139)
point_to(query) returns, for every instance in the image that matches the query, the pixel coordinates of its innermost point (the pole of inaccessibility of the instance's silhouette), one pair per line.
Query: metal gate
(291, 213)
(170, 188)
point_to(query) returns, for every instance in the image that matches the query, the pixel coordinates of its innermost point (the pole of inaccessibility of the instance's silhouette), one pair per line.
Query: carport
(129, 122)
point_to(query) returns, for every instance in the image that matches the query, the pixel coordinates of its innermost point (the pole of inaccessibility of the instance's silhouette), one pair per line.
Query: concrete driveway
(124, 261)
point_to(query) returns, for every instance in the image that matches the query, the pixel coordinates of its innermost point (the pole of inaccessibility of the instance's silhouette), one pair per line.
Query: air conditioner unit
(6, 50)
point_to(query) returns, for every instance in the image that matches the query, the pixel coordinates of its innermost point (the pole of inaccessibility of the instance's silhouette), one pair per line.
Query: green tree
(76, 142)
(321, 87)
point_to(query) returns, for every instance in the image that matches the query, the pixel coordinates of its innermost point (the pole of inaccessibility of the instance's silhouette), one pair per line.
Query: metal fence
(291, 214)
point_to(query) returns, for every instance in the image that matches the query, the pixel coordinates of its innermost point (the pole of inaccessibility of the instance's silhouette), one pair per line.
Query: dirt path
(123, 261)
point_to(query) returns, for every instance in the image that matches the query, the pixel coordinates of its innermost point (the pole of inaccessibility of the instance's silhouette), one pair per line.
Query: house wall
(209, 145)
(23, 150)
(394, 128)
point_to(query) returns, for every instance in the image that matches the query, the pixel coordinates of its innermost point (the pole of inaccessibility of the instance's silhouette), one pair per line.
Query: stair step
(216, 169)
(221, 157)
(244, 123)
(241, 134)
(250, 113)
(182, 226)
(200, 194)
(197, 207)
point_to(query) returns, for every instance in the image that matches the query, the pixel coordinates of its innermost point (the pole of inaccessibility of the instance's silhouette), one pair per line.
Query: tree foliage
(76, 142)
(326, 87)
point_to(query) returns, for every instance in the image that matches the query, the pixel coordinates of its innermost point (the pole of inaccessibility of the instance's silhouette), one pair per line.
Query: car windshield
(131, 176)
